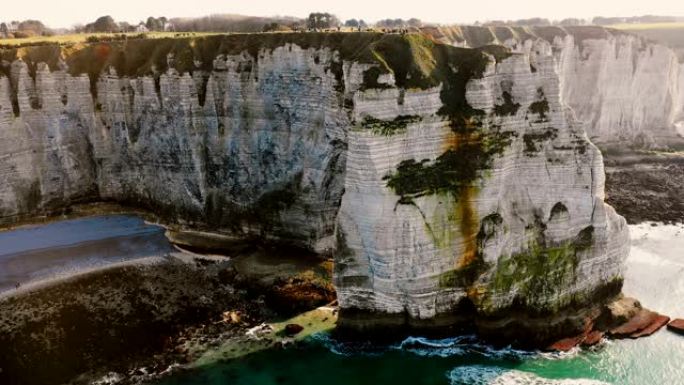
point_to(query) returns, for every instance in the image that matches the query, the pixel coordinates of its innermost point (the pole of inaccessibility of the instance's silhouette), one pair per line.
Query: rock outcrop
(622, 318)
(677, 326)
(629, 91)
(453, 185)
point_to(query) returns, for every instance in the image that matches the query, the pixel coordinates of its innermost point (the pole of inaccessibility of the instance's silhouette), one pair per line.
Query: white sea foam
(467, 345)
(108, 379)
(471, 345)
(259, 331)
(489, 375)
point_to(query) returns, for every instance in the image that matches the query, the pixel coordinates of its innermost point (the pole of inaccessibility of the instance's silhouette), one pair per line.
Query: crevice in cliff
(14, 99)
(13, 81)
(201, 85)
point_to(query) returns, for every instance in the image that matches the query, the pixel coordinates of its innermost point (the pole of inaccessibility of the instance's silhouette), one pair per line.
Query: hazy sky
(65, 13)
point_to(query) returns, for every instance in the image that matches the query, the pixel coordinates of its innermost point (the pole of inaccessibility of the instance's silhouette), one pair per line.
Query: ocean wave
(458, 346)
(466, 345)
(489, 375)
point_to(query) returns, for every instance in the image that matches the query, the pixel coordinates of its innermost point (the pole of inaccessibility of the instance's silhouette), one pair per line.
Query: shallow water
(34, 253)
(655, 275)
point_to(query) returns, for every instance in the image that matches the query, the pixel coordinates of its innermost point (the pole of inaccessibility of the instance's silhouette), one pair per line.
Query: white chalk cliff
(626, 89)
(442, 178)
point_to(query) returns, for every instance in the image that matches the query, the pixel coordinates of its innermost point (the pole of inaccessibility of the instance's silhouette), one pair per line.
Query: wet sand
(33, 253)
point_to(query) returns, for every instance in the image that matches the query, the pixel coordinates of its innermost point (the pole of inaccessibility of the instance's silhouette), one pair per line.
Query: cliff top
(477, 36)
(138, 55)
(414, 59)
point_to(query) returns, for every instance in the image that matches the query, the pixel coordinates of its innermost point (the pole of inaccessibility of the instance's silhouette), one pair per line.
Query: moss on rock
(540, 107)
(508, 107)
(535, 139)
(389, 127)
(539, 274)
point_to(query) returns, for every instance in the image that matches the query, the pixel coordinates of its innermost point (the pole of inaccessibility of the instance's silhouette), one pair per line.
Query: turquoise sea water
(655, 275)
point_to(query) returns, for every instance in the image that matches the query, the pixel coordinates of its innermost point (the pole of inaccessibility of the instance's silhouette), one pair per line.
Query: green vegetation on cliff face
(535, 139)
(540, 107)
(389, 127)
(539, 273)
(452, 171)
(508, 107)
(470, 149)
(425, 64)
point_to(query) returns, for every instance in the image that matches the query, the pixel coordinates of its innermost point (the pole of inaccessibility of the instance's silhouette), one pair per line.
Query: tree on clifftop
(156, 24)
(31, 28)
(319, 20)
(103, 24)
(153, 24)
(351, 23)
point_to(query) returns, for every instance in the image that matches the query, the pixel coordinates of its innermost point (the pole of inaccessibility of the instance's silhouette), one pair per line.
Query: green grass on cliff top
(83, 37)
(412, 58)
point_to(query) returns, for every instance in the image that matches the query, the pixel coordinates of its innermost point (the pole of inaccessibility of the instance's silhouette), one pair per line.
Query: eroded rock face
(452, 184)
(252, 148)
(626, 89)
(524, 226)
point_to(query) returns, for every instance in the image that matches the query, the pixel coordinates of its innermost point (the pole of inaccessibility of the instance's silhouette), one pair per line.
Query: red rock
(644, 323)
(593, 338)
(566, 344)
(641, 320)
(677, 326)
(658, 323)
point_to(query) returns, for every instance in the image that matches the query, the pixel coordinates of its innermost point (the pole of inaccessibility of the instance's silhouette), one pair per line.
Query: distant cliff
(450, 183)
(629, 91)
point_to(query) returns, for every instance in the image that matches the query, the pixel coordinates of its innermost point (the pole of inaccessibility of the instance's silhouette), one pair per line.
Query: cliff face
(254, 147)
(451, 183)
(625, 88)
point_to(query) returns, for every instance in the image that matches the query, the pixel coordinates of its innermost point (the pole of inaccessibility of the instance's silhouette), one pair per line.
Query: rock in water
(593, 338)
(293, 329)
(566, 344)
(644, 323)
(454, 186)
(657, 324)
(677, 326)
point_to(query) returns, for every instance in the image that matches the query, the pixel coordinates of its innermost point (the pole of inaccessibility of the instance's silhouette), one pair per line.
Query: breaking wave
(467, 345)
(486, 375)
(458, 346)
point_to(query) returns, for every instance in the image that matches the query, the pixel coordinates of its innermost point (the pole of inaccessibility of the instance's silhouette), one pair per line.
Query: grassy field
(647, 26)
(82, 37)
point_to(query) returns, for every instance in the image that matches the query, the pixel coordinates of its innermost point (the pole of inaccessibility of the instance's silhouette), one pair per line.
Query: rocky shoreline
(221, 308)
(133, 320)
(622, 318)
(646, 186)
(132, 323)
(224, 299)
